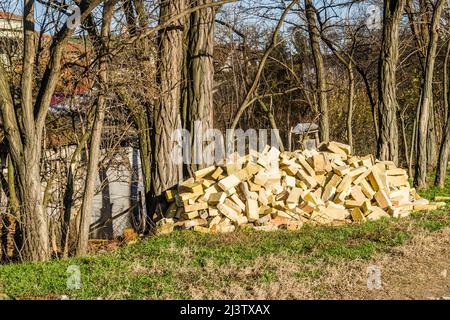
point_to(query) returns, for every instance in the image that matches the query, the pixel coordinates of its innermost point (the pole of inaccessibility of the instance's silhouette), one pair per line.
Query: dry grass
(412, 271)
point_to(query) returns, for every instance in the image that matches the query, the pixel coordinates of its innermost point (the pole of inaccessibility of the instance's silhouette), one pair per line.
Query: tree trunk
(441, 170)
(321, 86)
(92, 171)
(405, 140)
(351, 94)
(431, 137)
(36, 245)
(165, 173)
(25, 148)
(24, 122)
(165, 168)
(199, 82)
(68, 194)
(387, 104)
(273, 124)
(420, 178)
(94, 148)
(141, 110)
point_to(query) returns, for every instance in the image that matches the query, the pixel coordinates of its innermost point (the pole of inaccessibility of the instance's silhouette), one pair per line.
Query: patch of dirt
(416, 270)
(420, 269)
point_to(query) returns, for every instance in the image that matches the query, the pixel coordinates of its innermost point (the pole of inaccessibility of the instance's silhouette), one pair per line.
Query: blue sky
(270, 7)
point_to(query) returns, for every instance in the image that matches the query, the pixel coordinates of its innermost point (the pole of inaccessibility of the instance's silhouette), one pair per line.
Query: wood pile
(272, 190)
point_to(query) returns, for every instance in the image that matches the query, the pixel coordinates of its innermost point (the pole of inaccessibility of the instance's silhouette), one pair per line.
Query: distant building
(307, 136)
(11, 30)
(11, 26)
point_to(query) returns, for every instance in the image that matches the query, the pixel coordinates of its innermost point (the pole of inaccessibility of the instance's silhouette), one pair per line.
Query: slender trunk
(141, 111)
(106, 229)
(414, 136)
(351, 94)
(420, 178)
(92, 170)
(94, 148)
(68, 195)
(12, 194)
(321, 86)
(441, 170)
(273, 124)
(145, 149)
(431, 137)
(405, 140)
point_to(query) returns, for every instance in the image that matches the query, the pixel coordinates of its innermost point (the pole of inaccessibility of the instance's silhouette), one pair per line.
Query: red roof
(10, 16)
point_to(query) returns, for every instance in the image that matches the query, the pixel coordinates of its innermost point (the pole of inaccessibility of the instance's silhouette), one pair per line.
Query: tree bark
(165, 169)
(199, 81)
(420, 178)
(387, 105)
(321, 85)
(165, 165)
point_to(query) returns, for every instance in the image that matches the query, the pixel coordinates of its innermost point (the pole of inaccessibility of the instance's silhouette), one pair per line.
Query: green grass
(165, 266)
(169, 266)
(433, 191)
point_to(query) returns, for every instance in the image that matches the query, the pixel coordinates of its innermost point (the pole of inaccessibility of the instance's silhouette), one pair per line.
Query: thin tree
(441, 169)
(101, 45)
(420, 176)
(321, 85)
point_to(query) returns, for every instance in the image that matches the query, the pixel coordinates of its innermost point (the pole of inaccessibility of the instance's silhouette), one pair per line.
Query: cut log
(382, 199)
(216, 198)
(196, 207)
(229, 182)
(252, 210)
(203, 172)
(228, 212)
